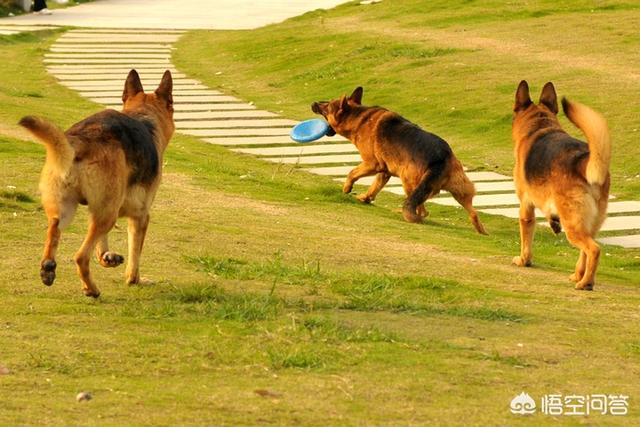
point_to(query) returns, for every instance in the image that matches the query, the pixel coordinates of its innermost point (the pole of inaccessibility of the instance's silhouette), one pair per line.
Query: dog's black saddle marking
(134, 135)
(552, 148)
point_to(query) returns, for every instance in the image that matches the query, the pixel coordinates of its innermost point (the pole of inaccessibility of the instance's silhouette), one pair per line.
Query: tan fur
(576, 187)
(88, 165)
(595, 128)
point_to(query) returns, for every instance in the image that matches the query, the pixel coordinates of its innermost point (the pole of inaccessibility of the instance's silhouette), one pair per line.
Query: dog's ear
(343, 107)
(356, 96)
(523, 99)
(549, 98)
(165, 88)
(132, 86)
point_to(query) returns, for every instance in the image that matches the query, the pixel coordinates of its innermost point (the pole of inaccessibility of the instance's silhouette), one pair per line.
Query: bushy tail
(595, 128)
(421, 193)
(59, 152)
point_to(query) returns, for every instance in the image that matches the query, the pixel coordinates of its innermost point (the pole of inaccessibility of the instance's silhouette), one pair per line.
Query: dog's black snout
(315, 107)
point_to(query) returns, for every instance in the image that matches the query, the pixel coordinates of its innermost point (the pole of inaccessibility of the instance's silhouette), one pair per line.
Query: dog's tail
(595, 128)
(59, 152)
(422, 192)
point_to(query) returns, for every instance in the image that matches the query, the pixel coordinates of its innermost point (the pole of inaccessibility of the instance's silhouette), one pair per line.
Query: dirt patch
(178, 188)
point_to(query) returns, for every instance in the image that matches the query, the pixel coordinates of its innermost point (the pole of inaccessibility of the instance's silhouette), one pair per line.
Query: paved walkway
(95, 62)
(183, 14)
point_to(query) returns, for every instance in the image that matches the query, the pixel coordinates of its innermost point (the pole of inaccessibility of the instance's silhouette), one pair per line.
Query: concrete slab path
(172, 14)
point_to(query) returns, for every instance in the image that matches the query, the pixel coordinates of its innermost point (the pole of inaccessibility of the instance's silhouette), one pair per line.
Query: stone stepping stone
(194, 115)
(110, 72)
(124, 50)
(111, 47)
(101, 77)
(176, 92)
(237, 132)
(98, 85)
(72, 37)
(224, 124)
(134, 62)
(487, 176)
(127, 31)
(177, 99)
(262, 140)
(629, 242)
(198, 107)
(298, 150)
(331, 170)
(316, 160)
(483, 200)
(614, 207)
(394, 181)
(494, 186)
(509, 212)
(207, 107)
(89, 55)
(623, 207)
(615, 223)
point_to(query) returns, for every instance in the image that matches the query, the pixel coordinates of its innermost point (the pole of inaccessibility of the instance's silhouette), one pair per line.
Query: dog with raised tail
(111, 162)
(567, 179)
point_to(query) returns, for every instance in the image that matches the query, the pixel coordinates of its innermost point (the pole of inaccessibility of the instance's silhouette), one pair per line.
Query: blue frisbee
(309, 130)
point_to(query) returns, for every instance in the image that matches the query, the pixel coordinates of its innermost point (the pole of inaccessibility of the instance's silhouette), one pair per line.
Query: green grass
(270, 297)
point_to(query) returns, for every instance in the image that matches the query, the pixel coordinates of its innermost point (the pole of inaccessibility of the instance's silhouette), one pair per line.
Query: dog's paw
(48, 271)
(575, 277)
(520, 262)
(94, 293)
(133, 279)
(580, 286)
(422, 212)
(364, 198)
(111, 259)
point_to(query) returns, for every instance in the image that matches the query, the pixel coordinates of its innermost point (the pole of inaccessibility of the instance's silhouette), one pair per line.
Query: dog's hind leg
(581, 266)
(106, 258)
(527, 228)
(137, 232)
(591, 251)
(378, 184)
(463, 190)
(363, 169)
(58, 216)
(99, 226)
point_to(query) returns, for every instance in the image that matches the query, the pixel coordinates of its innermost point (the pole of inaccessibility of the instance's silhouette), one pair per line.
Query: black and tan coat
(111, 162)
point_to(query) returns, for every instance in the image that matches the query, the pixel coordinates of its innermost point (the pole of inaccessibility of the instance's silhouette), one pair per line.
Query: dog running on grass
(390, 146)
(565, 178)
(111, 162)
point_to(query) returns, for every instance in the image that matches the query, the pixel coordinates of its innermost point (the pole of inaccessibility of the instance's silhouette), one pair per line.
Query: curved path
(95, 62)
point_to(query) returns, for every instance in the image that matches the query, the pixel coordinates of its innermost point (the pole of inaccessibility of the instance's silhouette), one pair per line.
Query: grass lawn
(271, 298)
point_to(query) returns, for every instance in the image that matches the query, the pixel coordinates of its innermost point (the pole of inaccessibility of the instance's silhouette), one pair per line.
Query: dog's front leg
(527, 228)
(137, 231)
(363, 169)
(378, 184)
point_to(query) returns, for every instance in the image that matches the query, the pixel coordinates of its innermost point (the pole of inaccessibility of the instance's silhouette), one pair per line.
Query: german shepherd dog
(389, 146)
(565, 178)
(111, 162)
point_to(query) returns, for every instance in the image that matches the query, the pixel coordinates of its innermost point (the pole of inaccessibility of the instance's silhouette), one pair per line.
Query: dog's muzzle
(315, 107)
